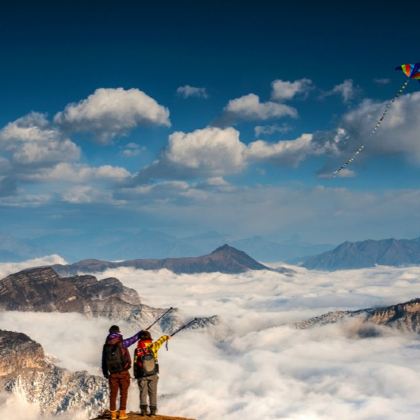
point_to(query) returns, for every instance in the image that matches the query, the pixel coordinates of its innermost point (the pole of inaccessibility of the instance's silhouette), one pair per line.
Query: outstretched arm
(129, 341)
(158, 344)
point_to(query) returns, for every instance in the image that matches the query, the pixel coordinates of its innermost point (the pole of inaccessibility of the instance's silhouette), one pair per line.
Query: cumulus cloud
(188, 91)
(286, 151)
(254, 364)
(283, 90)
(398, 133)
(31, 140)
(214, 152)
(249, 107)
(112, 112)
(211, 150)
(347, 90)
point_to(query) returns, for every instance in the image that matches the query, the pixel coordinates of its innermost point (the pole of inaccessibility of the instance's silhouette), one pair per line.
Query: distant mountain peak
(368, 253)
(224, 259)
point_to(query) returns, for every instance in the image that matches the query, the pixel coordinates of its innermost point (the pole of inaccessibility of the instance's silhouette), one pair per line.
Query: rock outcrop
(25, 369)
(43, 290)
(403, 316)
(225, 259)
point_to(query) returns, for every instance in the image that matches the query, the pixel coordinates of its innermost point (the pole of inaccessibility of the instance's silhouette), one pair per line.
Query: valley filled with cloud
(255, 363)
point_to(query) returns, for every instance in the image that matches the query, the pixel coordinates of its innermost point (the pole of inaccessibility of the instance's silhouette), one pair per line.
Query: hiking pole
(157, 320)
(184, 326)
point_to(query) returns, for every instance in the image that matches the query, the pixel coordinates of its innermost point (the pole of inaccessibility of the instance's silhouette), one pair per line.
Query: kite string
(374, 130)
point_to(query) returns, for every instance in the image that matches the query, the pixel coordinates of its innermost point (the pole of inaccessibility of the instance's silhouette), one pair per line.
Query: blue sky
(193, 117)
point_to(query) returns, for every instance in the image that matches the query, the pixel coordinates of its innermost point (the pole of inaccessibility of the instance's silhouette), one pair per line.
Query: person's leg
(143, 395)
(152, 391)
(124, 385)
(113, 391)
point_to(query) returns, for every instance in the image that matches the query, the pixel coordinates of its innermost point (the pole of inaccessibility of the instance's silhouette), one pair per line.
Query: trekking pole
(184, 326)
(157, 320)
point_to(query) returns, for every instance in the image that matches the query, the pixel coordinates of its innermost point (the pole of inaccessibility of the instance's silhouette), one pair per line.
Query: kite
(412, 71)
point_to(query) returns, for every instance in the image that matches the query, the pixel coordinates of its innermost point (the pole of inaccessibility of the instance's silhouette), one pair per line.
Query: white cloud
(397, 134)
(347, 90)
(31, 140)
(214, 152)
(286, 151)
(76, 173)
(249, 107)
(211, 150)
(260, 367)
(188, 91)
(87, 194)
(283, 90)
(111, 112)
(132, 149)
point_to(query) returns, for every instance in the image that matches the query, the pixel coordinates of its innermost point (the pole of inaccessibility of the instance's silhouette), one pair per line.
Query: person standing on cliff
(116, 363)
(146, 369)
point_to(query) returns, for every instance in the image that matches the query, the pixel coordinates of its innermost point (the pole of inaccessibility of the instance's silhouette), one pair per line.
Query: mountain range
(224, 259)
(146, 243)
(348, 255)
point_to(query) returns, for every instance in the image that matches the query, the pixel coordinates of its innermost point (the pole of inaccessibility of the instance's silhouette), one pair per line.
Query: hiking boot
(143, 410)
(122, 415)
(152, 411)
(114, 415)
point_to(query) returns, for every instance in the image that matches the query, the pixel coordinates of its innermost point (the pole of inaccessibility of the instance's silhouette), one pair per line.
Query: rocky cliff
(402, 316)
(25, 369)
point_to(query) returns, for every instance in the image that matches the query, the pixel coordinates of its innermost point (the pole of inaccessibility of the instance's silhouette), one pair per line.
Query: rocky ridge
(43, 290)
(25, 369)
(403, 316)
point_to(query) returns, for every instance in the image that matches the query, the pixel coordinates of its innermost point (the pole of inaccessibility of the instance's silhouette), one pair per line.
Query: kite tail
(374, 129)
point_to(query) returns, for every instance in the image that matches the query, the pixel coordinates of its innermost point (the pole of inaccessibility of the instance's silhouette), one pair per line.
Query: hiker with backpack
(146, 370)
(116, 363)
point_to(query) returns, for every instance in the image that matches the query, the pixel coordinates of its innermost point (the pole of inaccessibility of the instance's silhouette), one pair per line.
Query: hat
(145, 335)
(114, 329)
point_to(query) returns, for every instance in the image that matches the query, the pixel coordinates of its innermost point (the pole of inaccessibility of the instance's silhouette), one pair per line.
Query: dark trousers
(118, 381)
(148, 387)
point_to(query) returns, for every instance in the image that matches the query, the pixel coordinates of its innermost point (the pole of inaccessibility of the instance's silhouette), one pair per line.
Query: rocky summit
(224, 259)
(24, 369)
(402, 316)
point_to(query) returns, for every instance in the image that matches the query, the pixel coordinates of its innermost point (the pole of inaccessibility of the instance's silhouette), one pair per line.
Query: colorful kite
(412, 71)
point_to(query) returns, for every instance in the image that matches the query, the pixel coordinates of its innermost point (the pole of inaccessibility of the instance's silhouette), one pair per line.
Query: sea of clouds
(255, 364)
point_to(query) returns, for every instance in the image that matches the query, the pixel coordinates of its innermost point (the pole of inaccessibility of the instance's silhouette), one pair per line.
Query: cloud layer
(254, 364)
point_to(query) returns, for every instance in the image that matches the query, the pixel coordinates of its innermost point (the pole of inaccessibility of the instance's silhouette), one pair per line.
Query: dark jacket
(116, 338)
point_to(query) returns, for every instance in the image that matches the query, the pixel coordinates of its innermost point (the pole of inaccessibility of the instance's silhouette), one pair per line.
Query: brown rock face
(24, 369)
(17, 350)
(43, 290)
